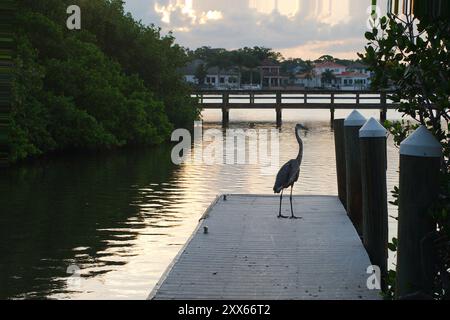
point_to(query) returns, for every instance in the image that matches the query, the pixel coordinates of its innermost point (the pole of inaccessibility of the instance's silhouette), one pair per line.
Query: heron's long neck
(300, 146)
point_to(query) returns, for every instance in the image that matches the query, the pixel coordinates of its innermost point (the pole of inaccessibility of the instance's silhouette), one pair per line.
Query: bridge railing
(233, 98)
(279, 100)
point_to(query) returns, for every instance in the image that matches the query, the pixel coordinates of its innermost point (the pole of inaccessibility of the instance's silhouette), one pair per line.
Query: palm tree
(251, 61)
(220, 59)
(238, 58)
(309, 69)
(328, 77)
(201, 73)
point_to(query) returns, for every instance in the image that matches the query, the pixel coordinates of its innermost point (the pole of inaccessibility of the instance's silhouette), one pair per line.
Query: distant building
(307, 80)
(214, 79)
(360, 68)
(350, 80)
(271, 76)
(352, 77)
(320, 68)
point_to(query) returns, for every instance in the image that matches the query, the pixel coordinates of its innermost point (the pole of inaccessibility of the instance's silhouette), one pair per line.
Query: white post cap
(354, 119)
(421, 143)
(372, 129)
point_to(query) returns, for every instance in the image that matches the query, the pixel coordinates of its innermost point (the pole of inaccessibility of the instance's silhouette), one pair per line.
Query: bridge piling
(225, 111)
(383, 111)
(279, 110)
(279, 117)
(225, 117)
(332, 109)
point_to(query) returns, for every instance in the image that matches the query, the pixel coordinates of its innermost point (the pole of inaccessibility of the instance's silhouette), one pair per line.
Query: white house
(215, 78)
(354, 77)
(350, 80)
(360, 68)
(320, 68)
(307, 80)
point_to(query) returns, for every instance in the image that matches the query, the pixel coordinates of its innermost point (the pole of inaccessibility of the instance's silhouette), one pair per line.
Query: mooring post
(279, 110)
(372, 138)
(332, 108)
(352, 124)
(225, 111)
(420, 160)
(383, 111)
(339, 145)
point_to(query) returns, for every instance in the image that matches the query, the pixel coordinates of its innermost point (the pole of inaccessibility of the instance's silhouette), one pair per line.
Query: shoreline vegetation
(113, 83)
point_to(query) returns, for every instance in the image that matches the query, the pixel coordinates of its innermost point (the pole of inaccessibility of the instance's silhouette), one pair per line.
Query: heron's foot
(282, 217)
(294, 217)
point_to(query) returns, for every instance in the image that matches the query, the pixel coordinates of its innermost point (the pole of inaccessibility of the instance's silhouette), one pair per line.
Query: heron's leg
(281, 199)
(292, 210)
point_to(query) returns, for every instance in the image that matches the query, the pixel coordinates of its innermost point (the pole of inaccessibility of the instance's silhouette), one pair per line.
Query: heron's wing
(294, 173)
(283, 177)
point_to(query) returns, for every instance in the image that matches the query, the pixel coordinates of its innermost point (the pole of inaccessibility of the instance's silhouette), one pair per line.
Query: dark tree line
(112, 83)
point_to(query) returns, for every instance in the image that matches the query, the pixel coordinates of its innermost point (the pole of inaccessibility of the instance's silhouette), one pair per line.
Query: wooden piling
(225, 117)
(352, 124)
(420, 159)
(332, 109)
(383, 111)
(339, 144)
(374, 194)
(225, 111)
(279, 117)
(279, 109)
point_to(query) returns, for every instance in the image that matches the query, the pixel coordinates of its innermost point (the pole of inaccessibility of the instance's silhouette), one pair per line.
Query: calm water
(122, 217)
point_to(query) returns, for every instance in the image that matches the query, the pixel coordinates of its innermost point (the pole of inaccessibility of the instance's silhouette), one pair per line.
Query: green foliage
(326, 58)
(328, 77)
(410, 57)
(389, 294)
(400, 130)
(113, 83)
(201, 73)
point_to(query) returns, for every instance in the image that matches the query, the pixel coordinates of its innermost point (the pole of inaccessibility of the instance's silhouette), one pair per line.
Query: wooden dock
(250, 254)
(292, 99)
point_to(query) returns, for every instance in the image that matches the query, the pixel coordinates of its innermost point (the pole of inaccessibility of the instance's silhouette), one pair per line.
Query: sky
(297, 28)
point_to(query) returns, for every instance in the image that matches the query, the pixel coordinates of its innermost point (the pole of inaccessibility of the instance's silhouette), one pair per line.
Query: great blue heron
(289, 173)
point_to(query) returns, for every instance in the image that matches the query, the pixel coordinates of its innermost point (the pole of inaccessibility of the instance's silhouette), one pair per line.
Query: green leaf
(392, 247)
(369, 35)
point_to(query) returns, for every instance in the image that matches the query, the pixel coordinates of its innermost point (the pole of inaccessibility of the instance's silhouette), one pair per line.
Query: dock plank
(250, 254)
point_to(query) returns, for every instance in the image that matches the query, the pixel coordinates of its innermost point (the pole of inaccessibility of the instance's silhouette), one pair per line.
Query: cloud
(313, 49)
(181, 14)
(305, 28)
